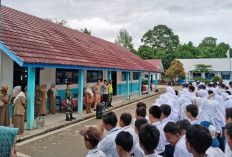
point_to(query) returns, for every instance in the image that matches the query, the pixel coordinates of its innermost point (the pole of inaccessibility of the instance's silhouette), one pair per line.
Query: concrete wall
(6, 71)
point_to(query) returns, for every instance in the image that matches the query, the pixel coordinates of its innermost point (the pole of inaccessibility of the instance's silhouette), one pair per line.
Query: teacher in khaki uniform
(97, 96)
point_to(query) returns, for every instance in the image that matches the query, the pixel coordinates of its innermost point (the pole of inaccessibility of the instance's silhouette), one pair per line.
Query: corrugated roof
(37, 41)
(218, 64)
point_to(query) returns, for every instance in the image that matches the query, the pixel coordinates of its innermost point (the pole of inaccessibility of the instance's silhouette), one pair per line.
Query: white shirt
(228, 152)
(214, 152)
(95, 153)
(107, 145)
(138, 151)
(134, 135)
(153, 155)
(165, 121)
(161, 145)
(181, 149)
(194, 122)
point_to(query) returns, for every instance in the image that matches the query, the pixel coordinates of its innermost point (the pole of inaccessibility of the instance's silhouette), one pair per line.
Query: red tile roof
(38, 41)
(155, 63)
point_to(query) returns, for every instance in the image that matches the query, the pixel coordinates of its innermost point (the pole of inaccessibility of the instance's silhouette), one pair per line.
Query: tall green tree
(208, 42)
(168, 57)
(187, 51)
(176, 70)
(124, 39)
(160, 37)
(86, 31)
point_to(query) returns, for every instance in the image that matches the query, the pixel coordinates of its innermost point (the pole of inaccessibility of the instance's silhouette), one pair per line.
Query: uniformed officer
(68, 100)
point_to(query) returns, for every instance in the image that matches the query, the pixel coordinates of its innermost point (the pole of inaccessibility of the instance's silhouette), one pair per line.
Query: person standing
(44, 100)
(88, 98)
(4, 109)
(38, 100)
(105, 92)
(19, 110)
(97, 96)
(110, 95)
(68, 100)
(52, 92)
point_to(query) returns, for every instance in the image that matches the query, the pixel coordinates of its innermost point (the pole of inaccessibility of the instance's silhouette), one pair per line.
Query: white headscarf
(19, 95)
(219, 115)
(170, 90)
(16, 91)
(203, 93)
(207, 112)
(88, 90)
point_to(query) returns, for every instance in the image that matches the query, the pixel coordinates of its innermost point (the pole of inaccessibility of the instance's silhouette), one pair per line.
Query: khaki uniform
(38, 101)
(43, 110)
(4, 111)
(52, 101)
(89, 101)
(97, 96)
(18, 115)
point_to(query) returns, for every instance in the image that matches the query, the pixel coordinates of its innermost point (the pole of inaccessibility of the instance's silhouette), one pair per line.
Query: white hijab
(88, 90)
(19, 95)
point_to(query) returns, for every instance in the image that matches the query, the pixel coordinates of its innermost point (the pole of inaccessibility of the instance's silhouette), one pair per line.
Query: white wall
(6, 72)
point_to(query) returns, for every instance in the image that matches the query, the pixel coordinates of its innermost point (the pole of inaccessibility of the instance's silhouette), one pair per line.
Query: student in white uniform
(91, 138)
(184, 125)
(124, 143)
(149, 139)
(124, 123)
(107, 144)
(142, 104)
(154, 117)
(228, 117)
(198, 140)
(138, 151)
(191, 113)
(139, 112)
(173, 135)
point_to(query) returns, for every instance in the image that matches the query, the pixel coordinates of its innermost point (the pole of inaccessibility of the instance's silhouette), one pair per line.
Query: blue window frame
(225, 75)
(93, 76)
(196, 75)
(135, 75)
(63, 76)
(209, 76)
(123, 76)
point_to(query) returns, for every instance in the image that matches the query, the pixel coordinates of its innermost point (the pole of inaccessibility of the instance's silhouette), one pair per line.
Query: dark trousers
(221, 139)
(169, 150)
(105, 99)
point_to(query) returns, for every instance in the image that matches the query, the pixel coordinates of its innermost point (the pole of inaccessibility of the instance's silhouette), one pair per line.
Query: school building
(157, 63)
(37, 51)
(220, 67)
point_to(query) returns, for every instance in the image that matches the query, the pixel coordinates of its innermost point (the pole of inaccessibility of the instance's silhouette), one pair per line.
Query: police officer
(68, 100)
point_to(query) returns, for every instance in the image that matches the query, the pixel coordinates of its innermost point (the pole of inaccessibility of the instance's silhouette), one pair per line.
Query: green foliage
(124, 39)
(217, 79)
(160, 37)
(86, 31)
(176, 70)
(146, 52)
(208, 42)
(145, 81)
(187, 51)
(202, 68)
(168, 57)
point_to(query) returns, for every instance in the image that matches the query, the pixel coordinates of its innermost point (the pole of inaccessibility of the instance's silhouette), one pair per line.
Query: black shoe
(71, 117)
(67, 118)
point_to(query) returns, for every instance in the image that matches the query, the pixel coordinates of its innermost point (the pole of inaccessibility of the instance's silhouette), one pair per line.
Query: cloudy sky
(191, 20)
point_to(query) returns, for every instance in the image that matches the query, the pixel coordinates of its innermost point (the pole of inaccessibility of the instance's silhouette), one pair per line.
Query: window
(135, 75)
(196, 75)
(93, 76)
(209, 76)
(123, 76)
(63, 76)
(225, 75)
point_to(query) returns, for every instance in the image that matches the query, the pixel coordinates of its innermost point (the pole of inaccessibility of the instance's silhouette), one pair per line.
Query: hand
(101, 129)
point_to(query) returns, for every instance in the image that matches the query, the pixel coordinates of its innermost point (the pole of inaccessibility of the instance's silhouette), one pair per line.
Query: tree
(160, 37)
(124, 39)
(202, 68)
(176, 70)
(208, 42)
(86, 31)
(187, 51)
(60, 22)
(146, 52)
(168, 57)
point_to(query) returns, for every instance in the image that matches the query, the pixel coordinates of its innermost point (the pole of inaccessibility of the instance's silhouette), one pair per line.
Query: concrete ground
(60, 138)
(67, 141)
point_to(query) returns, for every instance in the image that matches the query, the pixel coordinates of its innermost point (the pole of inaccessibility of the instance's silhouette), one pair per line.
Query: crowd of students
(194, 122)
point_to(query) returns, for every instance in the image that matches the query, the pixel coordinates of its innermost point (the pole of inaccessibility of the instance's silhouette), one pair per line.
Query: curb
(20, 139)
